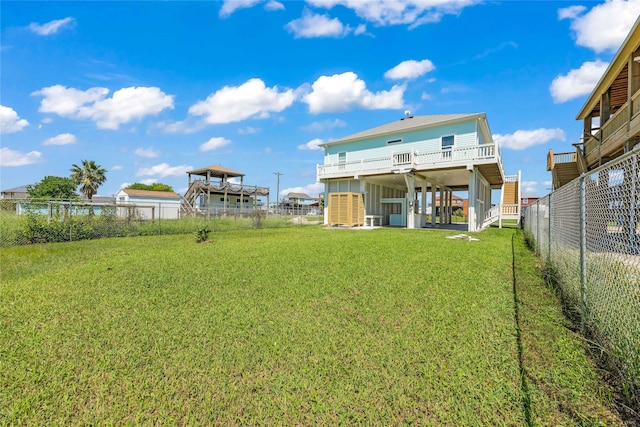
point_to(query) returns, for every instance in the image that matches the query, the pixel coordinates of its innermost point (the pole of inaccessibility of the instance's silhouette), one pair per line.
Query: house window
(342, 159)
(394, 141)
(525, 200)
(447, 144)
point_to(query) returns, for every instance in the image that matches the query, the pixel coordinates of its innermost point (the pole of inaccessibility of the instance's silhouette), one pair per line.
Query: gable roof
(215, 171)
(21, 189)
(298, 196)
(404, 124)
(152, 194)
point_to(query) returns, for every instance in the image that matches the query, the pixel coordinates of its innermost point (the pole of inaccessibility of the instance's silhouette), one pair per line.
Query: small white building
(145, 204)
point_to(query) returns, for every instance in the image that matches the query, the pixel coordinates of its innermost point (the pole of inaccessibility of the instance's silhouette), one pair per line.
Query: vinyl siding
(423, 140)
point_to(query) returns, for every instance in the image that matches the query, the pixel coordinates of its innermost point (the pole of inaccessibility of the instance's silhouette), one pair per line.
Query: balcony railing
(635, 103)
(450, 156)
(613, 125)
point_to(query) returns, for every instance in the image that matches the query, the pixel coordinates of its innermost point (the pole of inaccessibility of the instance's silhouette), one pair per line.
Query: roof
(21, 189)
(404, 124)
(528, 196)
(215, 171)
(149, 193)
(298, 196)
(613, 74)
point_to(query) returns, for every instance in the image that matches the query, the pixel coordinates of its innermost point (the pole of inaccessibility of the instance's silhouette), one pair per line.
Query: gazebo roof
(215, 171)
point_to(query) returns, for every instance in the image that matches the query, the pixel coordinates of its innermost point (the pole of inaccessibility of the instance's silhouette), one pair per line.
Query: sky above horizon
(150, 90)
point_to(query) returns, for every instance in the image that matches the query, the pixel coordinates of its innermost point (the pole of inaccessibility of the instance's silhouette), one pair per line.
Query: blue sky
(151, 89)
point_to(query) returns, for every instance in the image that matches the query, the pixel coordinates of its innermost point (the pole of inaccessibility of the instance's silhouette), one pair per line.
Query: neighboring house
(456, 203)
(147, 204)
(611, 116)
(300, 202)
(528, 199)
(395, 166)
(15, 193)
(215, 192)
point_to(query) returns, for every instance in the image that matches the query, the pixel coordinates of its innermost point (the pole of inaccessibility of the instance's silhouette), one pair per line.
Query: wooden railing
(454, 155)
(608, 129)
(635, 104)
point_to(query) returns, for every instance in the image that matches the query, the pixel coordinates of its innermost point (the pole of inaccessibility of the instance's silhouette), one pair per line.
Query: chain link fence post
(583, 255)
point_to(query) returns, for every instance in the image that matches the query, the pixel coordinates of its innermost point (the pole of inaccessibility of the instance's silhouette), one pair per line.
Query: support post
(433, 205)
(583, 256)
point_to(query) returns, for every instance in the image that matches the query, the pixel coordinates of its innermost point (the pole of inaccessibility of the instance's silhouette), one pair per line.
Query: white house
(147, 204)
(392, 168)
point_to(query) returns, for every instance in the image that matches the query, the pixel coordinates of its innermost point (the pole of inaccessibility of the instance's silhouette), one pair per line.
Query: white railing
(568, 157)
(454, 155)
(511, 178)
(491, 216)
(510, 211)
(635, 104)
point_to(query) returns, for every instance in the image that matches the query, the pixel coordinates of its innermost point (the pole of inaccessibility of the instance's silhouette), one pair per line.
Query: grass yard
(290, 326)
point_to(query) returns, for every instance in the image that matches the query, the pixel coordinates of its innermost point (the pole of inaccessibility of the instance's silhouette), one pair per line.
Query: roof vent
(407, 115)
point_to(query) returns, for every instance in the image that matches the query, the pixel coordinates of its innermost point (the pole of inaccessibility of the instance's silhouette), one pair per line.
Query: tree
(156, 186)
(53, 187)
(89, 177)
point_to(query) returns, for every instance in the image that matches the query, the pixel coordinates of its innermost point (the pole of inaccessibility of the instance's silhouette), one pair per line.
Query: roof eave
(473, 116)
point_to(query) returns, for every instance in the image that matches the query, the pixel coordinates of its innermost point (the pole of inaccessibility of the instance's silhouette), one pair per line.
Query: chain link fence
(588, 234)
(30, 221)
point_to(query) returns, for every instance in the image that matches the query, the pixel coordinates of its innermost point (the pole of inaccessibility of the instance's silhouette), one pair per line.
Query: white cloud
(147, 152)
(571, 12)
(125, 105)
(311, 145)
(184, 126)
(577, 82)
(230, 6)
(51, 27)
(116, 168)
(214, 143)
(312, 189)
(425, 96)
(148, 181)
(10, 122)
(529, 187)
(273, 6)
(236, 103)
(521, 139)
(324, 125)
(164, 169)
(605, 26)
(248, 130)
(312, 25)
(62, 139)
(395, 12)
(410, 69)
(16, 158)
(342, 92)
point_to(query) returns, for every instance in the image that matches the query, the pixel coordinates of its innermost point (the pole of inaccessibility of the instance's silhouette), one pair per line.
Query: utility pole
(278, 193)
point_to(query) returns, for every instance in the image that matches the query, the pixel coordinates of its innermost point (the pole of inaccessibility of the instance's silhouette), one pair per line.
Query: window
(447, 144)
(394, 141)
(342, 159)
(525, 200)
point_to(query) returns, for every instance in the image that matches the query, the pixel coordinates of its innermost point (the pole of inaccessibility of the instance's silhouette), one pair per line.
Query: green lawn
(289, 326)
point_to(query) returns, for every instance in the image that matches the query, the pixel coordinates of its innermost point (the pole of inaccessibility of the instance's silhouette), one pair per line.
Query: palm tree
(89, 176)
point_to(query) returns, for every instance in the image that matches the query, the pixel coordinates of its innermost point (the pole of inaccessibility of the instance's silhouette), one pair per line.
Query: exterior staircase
(564, 167)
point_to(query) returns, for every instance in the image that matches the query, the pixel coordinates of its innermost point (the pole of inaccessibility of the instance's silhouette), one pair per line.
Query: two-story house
(391, 169)
(610, 117)
(211, 191)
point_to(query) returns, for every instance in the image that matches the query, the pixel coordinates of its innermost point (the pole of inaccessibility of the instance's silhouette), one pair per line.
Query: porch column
(473, 196)
(433, 205)
(605, 108)
(410, 180)
(423, 193)
(450, 206)
(441, 205)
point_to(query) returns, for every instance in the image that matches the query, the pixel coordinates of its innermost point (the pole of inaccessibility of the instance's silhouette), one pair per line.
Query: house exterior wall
(422, 140)
(149, 207)
(233, 202)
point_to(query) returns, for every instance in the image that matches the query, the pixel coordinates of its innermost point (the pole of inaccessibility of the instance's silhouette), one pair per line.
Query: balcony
(609, 141)
(486, 154)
